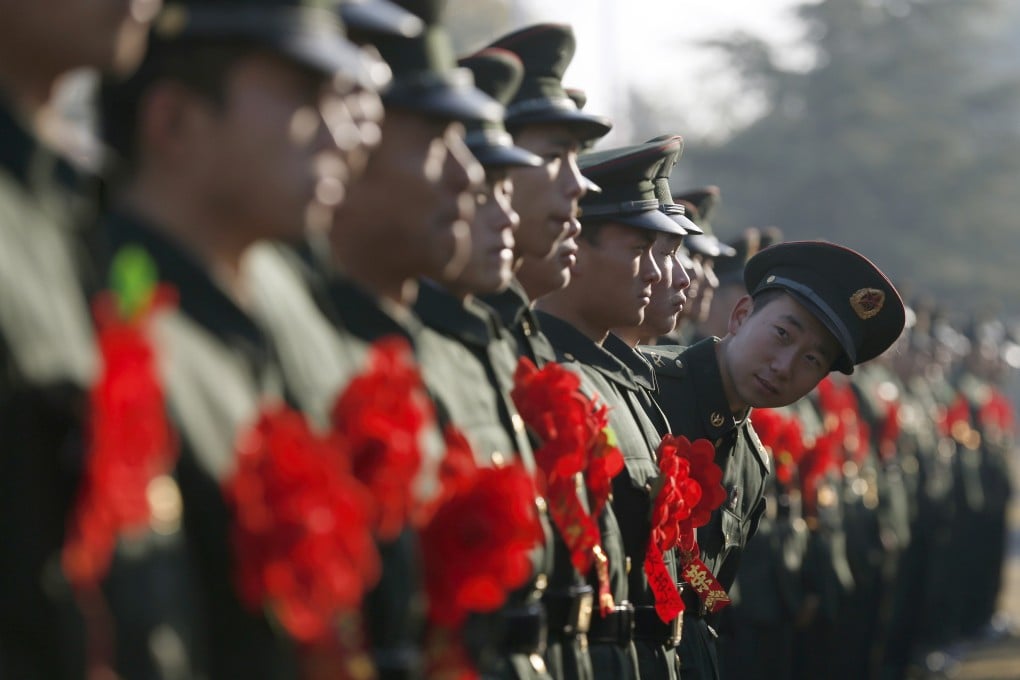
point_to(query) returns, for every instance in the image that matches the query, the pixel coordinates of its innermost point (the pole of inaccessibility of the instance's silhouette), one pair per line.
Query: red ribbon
(668, 604)
(701, 579)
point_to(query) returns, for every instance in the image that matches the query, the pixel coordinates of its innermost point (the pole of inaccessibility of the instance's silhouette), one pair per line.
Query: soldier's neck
(560, 305)
(220, 248)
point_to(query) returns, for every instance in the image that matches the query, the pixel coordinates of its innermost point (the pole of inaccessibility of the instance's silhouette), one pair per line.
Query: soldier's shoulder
(667, 360)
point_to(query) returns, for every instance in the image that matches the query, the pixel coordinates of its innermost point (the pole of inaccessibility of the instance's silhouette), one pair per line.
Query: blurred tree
(902, 140)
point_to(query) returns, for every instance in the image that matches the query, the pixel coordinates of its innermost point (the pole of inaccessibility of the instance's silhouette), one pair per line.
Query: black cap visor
(495, 148)
(710, 246)
(653, 220)
(380, 17)
(586, 126)
(334, 56)
(450, 95)
(676, 214)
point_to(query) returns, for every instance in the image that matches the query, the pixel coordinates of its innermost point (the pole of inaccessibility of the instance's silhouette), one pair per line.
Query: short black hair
(763, 298)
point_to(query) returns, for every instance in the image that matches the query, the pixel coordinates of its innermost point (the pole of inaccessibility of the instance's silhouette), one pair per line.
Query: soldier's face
(775, 356)
(60, 35)
(489, 268)
(668, 296)
(412, 208)
(268, 153)
(616, 274)
(546, 196)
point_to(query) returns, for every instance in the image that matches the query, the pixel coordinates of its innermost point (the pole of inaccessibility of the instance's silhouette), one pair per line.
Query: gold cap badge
(867, 302)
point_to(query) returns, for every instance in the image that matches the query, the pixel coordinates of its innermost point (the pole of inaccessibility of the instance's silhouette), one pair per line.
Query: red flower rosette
(604, 459)
(476, 546)
(381, 417)
(129, 440)
(819, 460)
(783, 437)
(700, 455)
(575, 437)
(678, 495)
(302, 534)
(551, 403)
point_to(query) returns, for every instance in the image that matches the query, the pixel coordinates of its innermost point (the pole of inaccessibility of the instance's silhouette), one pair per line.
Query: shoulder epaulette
(666, 359)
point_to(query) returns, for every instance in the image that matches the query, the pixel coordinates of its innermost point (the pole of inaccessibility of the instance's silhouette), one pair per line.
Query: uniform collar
(439, 309)
(511, 305)
(32, 163)
(199, 296)
(366, 315)
(573, 345)
(643, 373)
(702, 363)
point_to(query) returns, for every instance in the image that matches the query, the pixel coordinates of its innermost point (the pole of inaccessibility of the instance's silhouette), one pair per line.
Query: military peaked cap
(848, 294)
(627, 177)
(546, 50)
(701, 203)
(307, 31)
(498, 74)
(662, 191)
(426, 78)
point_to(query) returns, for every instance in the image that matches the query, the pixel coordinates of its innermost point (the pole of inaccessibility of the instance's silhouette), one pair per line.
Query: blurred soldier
(669, 293)
(979, 382)
(380, 249)
(47, 348)
(470, 367)
(544, 120)
(878, 390)
(225, 137)
(701, 204)
(814, 307)
(729, 271)
(610, 288)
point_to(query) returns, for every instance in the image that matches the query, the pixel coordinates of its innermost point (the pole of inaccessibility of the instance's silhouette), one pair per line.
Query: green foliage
(903, 141)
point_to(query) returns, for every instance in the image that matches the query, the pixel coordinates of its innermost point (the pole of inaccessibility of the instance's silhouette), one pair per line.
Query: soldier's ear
(169, 117)
(740, 314)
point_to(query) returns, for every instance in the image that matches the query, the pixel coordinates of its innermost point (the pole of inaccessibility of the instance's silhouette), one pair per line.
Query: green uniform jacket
(469, 368)
(47, 360)
(520, 324)
(567, 656)
(692, 397)
(218, 368)
(637, 437)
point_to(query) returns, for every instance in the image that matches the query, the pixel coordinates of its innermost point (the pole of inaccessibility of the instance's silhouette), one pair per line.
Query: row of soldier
(882, 548)
(355, 372)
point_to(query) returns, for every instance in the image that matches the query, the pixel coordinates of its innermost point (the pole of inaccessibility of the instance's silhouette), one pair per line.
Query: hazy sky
(653, 43)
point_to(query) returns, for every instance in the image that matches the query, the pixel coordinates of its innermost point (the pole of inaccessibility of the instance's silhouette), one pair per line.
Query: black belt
(569, 612)
(397, 663)
(693, 606)
(524, 629)
(648, 627)
(616, 627)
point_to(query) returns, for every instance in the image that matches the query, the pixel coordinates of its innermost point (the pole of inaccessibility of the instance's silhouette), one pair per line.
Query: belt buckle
(676, 631)
(676, 626)
(582, 607)
(625, 629)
